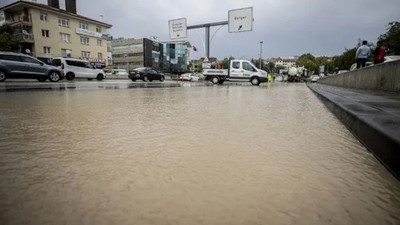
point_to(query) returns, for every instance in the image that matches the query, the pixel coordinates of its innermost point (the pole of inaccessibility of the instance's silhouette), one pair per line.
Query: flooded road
(186, 155)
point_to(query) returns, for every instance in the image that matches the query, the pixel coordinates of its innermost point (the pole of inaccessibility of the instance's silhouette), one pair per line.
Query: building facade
(175, 56)
(132, 53)
(285, 63)
(169, 57)
(48, 31)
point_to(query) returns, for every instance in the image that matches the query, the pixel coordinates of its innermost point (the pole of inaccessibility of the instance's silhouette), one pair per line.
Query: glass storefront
(175, 57)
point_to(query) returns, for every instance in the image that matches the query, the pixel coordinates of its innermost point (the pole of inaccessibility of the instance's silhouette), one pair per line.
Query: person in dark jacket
(379, 53)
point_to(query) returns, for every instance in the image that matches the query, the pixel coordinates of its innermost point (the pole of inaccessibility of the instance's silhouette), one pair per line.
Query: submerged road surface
(186, 155)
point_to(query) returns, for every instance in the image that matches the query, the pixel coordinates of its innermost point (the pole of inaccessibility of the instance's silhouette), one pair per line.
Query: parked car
(197, 76)
(47, 60)
(390, 58)
(77, 68)
(186, 77)
(354, 65)
(342, 71)
(314, 78)
(116, 73)
(16, 65)
(145, 74)
(190, 77)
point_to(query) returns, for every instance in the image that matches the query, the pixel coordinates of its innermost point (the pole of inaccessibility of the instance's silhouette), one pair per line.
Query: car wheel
(41, 79)
(70, 76)
(90, 78)
(133, 80)
(145, 79)
(2, 76)
(255, 81)
(100, 77)
(162, 78)
(54, 76)
(215, 80)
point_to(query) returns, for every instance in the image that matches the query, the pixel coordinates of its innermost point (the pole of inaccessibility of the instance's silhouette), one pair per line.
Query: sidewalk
(373, 117)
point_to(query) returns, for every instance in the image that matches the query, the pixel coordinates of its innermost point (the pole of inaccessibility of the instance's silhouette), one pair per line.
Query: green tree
(270, 67)
(279, 67)
(225, 62)
(7, 42)
(256, 62)
(309, 62)
(391, 39)
(346, 59)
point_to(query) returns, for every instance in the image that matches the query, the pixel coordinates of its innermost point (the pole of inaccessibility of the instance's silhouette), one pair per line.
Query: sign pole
(207, 41)
(239, 20)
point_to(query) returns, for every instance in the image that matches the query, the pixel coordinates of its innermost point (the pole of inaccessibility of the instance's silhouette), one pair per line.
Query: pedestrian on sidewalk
(362, 54)
(379, 53)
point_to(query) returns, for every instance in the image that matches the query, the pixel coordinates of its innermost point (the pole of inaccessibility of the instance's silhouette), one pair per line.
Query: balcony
(19, 20)
(23, 37)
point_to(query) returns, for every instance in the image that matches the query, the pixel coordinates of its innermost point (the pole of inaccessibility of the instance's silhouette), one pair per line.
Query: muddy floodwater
(187, 155)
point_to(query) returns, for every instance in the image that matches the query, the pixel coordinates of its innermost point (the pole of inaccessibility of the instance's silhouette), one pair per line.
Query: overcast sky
(286, 27)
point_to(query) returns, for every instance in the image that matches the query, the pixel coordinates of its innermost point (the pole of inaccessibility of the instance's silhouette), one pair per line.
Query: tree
(308, 61)
(225, 62)
(279, 67)
(391, 39)
(346, 59)
(7, 43)
(270, 67)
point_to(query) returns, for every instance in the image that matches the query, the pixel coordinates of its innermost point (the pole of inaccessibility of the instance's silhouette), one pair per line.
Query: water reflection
(231, 154)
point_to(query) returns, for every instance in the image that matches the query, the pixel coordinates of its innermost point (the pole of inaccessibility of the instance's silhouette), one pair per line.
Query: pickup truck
(239, 70)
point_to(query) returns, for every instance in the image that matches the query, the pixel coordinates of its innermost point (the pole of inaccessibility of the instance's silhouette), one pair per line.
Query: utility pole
(260, 53)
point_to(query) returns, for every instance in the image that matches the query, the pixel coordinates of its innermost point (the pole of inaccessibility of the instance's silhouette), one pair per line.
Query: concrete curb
(376, 129)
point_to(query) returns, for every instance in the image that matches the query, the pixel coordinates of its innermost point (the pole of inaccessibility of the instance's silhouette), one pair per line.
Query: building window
(43, 16)
(65, 37)
(63, 22)
(98, 29)
(85, 54)
(45, 33)
(66, 53)
(98, 42)
(84, 26)
(46, 50)
(85, 40)
(99, 55)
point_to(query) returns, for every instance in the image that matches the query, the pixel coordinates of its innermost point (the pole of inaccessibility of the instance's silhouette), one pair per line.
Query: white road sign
(177, 28)
(240, 20)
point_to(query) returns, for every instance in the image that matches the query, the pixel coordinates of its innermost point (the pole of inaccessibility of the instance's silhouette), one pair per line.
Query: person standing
(379, 53)
(362, 54)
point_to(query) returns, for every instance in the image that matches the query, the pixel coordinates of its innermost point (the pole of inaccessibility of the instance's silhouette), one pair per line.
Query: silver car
(16, 65)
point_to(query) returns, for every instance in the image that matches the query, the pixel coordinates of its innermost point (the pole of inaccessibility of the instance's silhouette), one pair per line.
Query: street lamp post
(260, 52)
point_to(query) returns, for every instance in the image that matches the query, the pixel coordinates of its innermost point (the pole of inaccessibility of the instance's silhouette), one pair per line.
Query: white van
(77, 68)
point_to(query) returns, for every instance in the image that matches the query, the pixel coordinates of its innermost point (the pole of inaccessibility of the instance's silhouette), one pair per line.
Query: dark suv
(16, 65)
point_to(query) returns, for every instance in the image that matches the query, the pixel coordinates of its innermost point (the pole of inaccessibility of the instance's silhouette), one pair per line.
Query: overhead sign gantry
(239, 20)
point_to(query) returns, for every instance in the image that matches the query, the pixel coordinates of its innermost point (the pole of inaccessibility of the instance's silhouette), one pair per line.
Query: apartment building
(48, 31)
